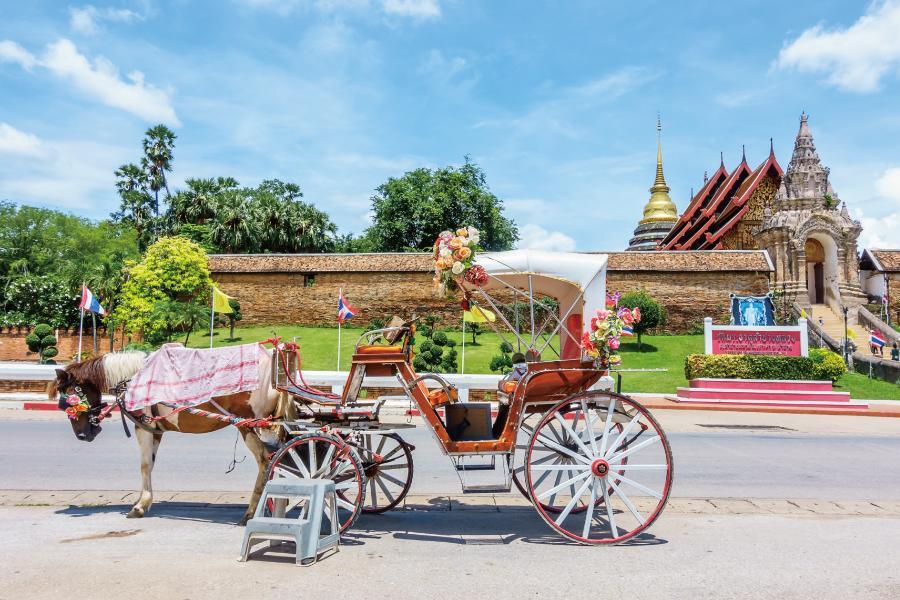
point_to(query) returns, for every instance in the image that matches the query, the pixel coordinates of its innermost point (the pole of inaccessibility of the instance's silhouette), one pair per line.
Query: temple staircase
(833, 325)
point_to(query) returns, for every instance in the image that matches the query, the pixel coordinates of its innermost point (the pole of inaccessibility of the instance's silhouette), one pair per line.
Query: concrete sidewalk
(190, 551)
(492, 503)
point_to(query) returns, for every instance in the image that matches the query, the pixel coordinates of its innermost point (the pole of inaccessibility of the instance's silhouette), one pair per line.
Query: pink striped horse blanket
(190, 376)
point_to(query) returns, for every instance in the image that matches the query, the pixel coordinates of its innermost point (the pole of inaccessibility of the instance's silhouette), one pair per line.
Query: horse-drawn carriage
(595, 464)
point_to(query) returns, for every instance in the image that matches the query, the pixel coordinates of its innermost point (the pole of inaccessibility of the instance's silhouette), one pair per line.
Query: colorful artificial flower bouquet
(606, 329)
(454, 258)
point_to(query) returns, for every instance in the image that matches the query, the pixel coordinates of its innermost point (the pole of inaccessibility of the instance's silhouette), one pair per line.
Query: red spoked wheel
(388, 466)
(324, 456)
(618, 455)
(523, 440)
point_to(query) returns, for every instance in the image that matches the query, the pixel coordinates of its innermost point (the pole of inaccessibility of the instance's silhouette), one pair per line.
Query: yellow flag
(478, 315)
(220, 301)
(802, 313)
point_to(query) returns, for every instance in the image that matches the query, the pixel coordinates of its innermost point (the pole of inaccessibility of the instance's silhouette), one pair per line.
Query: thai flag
(345, 311)
(876, 340)
(89, 302)
(627, 330)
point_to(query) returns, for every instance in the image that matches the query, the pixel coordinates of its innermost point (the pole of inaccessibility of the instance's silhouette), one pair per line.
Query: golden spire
(660, 206)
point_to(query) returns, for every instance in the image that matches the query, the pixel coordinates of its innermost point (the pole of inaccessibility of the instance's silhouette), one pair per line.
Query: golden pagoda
(660, 213)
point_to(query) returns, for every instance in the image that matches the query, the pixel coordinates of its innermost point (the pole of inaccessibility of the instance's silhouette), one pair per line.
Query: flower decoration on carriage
(606, 329)
(454, 259)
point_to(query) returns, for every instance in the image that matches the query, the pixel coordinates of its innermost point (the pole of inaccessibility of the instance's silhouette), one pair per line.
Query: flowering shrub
(606, 329)
(34, 299)
(454, 255)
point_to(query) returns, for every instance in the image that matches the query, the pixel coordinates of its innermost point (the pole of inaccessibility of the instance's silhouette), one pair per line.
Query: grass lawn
(319, 352)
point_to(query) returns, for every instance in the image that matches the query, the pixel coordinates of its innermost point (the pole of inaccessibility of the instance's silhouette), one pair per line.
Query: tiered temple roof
(719, 205)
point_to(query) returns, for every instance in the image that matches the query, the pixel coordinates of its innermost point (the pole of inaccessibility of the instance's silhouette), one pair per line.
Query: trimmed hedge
(819, 365)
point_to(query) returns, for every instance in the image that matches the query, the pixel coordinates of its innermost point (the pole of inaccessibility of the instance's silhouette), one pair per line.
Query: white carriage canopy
(577, 281)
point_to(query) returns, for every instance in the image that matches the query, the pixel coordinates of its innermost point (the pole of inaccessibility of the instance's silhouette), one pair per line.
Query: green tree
(653, 314)
(42, 341)
(502, 363)
(136, 203)
(233, 317)
(232, 228)
(158, 144)
(198, 203)
(173, 268)
(410, 211)
(175, 316)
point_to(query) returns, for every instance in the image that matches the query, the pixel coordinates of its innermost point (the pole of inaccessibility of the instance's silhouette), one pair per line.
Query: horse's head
(81, 400)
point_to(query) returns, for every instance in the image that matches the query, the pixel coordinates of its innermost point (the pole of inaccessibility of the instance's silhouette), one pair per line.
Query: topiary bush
(653, 314)
(758, 366)
(42, 341)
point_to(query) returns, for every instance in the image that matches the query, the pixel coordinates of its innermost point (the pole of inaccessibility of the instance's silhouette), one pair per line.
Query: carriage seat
(375, 349)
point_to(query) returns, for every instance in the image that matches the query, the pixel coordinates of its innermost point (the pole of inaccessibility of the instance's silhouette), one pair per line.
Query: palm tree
(159, 142)
(136, 205)
(232, 227)
(312, 229)
(272, 218)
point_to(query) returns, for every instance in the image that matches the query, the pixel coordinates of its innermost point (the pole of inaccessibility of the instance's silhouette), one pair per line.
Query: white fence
(15, 371)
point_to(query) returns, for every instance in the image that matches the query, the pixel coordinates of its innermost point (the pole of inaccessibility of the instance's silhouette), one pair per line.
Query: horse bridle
(77, 403)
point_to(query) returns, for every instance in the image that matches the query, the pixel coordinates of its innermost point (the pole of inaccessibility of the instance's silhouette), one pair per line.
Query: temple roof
(719, 206)
(886, 261)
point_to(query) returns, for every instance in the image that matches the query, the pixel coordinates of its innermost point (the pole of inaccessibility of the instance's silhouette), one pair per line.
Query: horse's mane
(121, 366)
(104, 372)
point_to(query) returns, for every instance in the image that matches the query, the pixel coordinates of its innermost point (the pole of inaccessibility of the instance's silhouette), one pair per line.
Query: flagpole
(463, 366)
(212, 314)
(94, 329)
(339, 344)
(80, 329)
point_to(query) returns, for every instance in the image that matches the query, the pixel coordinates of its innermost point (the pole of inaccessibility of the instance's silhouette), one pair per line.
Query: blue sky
(557, 101)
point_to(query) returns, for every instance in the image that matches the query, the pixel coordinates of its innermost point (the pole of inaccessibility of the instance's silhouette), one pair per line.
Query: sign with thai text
(737, 339)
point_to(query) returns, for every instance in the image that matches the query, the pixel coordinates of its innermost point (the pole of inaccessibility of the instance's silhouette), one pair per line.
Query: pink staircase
(761, 392)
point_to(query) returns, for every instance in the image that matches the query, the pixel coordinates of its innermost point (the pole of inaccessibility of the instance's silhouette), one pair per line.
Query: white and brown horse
(90, 378)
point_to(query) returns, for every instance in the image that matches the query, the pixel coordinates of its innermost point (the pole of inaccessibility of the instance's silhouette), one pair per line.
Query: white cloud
(13, 52)
(86, 19)
(99, 80)
(13, 141)
(881, 232)
(72, 174)
(419, 9)
(535, 236)
(555, 115)
(888, 185)
(856, 58)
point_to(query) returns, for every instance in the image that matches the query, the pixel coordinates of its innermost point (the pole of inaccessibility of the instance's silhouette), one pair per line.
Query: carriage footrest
(485, 489)
(482, 467)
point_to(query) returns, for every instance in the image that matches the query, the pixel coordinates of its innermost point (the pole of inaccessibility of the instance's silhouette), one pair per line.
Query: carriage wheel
(322, 456)
(629, 468)
(388, 465)
(523, 439)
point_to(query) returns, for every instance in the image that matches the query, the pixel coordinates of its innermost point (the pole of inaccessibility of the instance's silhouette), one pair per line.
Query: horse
(88, 379)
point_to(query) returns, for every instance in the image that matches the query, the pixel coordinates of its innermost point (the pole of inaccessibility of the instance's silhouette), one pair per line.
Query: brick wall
(894, 296)
(12, 343)
(689, 297)
(284, 297)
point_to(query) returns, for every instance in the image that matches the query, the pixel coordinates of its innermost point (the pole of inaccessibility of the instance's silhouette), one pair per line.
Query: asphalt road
(709, 461)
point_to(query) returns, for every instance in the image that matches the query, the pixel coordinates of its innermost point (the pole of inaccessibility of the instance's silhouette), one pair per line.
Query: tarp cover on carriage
(182, 376)
(577, 281)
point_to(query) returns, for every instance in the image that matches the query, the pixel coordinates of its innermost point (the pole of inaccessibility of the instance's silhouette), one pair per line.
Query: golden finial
(660, 207)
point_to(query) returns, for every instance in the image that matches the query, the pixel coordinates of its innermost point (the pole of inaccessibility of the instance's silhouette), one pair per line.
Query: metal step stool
(316, 498)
